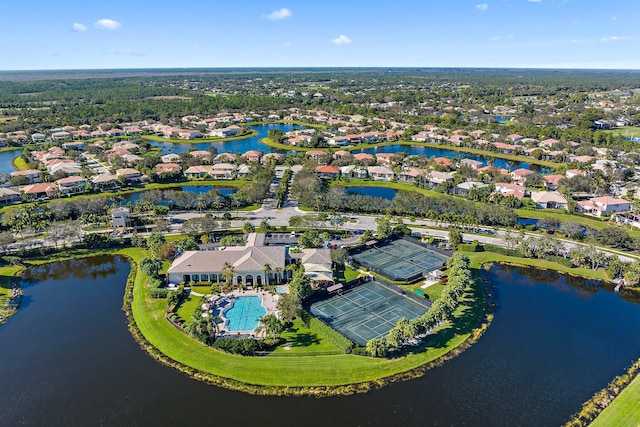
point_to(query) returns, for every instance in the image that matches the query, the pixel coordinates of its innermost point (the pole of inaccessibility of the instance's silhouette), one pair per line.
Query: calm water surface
(5, 160)
(237, 146)
(68, 359)
(196, 189)
(363, 190)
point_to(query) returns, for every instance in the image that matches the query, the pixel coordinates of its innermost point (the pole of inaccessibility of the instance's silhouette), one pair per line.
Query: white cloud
(482, 7)
(341, 39)
(614, 38)
(279, 14)
(78, 27)
(107, 24)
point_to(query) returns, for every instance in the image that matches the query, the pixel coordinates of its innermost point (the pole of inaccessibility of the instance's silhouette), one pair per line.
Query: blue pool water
(245, 314)
(281, 289)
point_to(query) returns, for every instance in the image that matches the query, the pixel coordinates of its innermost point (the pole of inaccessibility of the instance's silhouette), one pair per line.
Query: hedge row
(336, 338)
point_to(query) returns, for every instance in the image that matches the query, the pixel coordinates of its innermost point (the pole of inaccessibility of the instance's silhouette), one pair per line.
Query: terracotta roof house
(603, 205)
(575, 172)
(385, 158)
(39, 191)
(252, 156)
(364, 157)
(326, 171)
(161, 168)
(444, 161)
(521, 173)
(225, 157)
(504, 148)
(315, 154)
(409, 175)
(342, 154)
(514, 137)
(507, 189)
(552, 181)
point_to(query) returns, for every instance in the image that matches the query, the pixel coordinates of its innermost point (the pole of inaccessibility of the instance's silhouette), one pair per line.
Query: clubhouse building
(252, 265)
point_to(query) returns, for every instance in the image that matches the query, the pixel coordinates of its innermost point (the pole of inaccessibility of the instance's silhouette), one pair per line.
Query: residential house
(464, 188)
(223, 171)
(410, 175)
(9, 196)
(436, 178)
(105, 181)
(521, 174)
(252, 156)
(507, 189)
(71, 185)
(552, 182)
(599, 206)
(549, 200)
(33, 175)
(473, 164)
(329, 172)
(354, 171)
(39, 191)
(131, 176)
(168, 168)
(380, 173)
(197, 172)
(444, 162)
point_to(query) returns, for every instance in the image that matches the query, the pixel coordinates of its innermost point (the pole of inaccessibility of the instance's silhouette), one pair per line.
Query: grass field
(188, 307)
(302, 340)
(624, 410)
(627, 131)
(19, 163)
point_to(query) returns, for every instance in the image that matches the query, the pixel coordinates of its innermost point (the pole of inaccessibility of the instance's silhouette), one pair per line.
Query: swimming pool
(281, 289)
(245, 314)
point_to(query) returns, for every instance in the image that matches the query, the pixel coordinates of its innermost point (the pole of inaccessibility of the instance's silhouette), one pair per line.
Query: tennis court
(400, 260)
(367, 311)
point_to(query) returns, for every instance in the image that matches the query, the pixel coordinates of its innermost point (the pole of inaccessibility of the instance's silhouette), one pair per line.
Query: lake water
(5, 160)
(68, 359)
(196, 189)
(441, 152)
(236, 146)
(384, 192)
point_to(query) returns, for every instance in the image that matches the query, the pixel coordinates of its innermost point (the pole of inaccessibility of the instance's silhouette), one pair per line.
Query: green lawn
(188, 307)
(624, 410)
(19, 163)
(301, 340)
(626, 131)
(564, 216)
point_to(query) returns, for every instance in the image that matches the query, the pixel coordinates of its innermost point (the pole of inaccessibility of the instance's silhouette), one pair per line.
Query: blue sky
(80, 34)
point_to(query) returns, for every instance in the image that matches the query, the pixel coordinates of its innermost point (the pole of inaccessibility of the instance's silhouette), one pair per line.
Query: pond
(235, 146)
(196, 189)
(5, 161)
(68, 359)
(441, 152)
(383, 192)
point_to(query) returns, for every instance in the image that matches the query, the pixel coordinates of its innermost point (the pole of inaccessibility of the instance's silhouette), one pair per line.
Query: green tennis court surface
(367, 311)
(400, 260)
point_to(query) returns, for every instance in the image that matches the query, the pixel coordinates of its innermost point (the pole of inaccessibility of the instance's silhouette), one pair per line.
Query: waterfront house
(549, 200)
(329, 172)
(193, 172)
(380, 173)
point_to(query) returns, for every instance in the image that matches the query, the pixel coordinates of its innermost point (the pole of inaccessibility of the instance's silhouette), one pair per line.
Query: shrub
(336, 338)
(560, 260)
(500, 250)
(158, 292)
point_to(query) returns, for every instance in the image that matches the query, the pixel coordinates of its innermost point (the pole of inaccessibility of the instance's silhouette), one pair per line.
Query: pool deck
(269, 302)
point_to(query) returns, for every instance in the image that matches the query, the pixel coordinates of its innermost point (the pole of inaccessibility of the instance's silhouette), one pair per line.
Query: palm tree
(266, 269)
(228, 272)
(278, 271)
